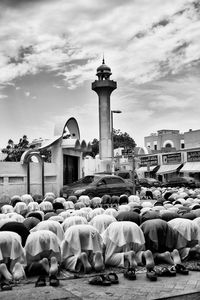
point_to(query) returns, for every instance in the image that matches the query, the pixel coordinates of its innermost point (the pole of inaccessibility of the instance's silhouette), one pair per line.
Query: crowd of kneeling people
(40, 236)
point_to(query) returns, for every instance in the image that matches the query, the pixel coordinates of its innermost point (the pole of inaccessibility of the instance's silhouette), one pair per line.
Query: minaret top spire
(103, 72)
(103, 60)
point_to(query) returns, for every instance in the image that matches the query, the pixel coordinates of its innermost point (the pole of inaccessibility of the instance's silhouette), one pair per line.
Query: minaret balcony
(104, 84)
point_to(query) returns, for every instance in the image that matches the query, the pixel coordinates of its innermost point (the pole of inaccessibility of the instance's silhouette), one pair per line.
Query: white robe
(189, 234)
(73, 220)
(78, 239)
(197, 222)
(11, 247)
(101, 222)
(7, 208)
(121, 237)
(40, 244)
(111, 212)
(19, 207)
(33, 206)
(51, 225)
(95, 212)
(46, 205)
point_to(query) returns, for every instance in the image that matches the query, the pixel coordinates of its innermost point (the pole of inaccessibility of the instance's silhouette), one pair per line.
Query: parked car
(182, 181)
(149, 182)
(98, 185)
(127, 176)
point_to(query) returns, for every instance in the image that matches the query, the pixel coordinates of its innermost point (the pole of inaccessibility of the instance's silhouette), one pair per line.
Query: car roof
(106, 175)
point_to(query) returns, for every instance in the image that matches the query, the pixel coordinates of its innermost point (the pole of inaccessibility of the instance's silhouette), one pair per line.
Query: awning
(144, 169)
(165, 169)
(192, 167)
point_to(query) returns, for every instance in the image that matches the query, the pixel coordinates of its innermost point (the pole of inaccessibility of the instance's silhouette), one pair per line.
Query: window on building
(50, 178)
(148, 145)
(168, 145)
(15, 179)
(182, 144)
(155, 147)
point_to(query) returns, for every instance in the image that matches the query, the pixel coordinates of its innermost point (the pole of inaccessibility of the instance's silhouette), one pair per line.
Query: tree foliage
(120, 139)
(15, 151)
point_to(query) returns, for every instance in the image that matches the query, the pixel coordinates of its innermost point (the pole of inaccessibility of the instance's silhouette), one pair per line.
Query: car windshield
(124, 175)
(89, 179)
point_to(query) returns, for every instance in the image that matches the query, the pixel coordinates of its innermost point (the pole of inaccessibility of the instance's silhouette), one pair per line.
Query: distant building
(171, 153)
(165, 140)
(172, 140)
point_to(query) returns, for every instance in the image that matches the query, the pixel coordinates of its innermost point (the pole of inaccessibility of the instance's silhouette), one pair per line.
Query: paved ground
(186, 287)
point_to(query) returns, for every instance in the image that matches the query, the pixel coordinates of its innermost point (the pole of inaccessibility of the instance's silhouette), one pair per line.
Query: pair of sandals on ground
(130, 274)
(50, 271)
(152, 272)
(172, 258)
(8, 278)
(172, 271)
(53, 281)
(105, 279)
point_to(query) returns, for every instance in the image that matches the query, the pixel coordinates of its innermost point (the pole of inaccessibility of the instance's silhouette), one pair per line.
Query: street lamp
(113, 112)
(133, 172)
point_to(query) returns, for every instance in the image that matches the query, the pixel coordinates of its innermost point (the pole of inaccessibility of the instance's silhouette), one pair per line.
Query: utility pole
(112, 140)
(133, 172)
(148, 167)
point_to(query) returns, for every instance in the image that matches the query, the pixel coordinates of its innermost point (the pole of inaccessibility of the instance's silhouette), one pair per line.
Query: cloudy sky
(50, 49)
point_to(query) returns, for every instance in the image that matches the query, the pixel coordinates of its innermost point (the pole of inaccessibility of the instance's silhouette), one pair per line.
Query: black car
(98, 185)
(149, 182)
(182, 181)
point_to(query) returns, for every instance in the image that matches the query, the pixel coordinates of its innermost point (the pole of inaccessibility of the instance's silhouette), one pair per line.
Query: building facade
(38, 177)
(168, 140)
(171, 154)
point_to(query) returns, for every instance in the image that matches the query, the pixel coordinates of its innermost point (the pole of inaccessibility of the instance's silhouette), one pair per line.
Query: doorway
(70, 169)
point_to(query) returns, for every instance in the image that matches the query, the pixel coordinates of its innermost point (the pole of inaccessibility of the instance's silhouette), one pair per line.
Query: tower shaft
(104, 88)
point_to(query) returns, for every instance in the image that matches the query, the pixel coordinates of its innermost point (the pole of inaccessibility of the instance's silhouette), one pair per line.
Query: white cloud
(56, 86)
(167, 101)
(151, 46)
(3, 96)
(111, 28)
(27, 93)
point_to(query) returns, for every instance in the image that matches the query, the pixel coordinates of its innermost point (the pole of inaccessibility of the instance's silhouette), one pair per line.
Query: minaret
(104, 87)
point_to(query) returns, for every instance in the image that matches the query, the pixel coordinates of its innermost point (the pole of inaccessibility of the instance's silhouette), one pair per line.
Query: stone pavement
(179, 287)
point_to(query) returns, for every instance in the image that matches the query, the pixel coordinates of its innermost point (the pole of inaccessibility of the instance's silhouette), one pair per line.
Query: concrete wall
(94, 165)
(13, 178)
(88, 166)
(192, 139)
(13, 175)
